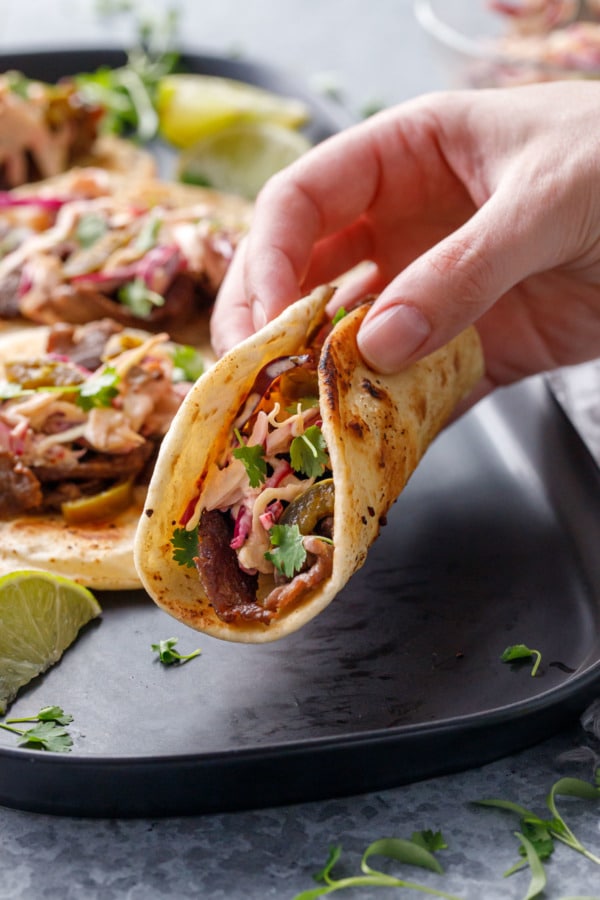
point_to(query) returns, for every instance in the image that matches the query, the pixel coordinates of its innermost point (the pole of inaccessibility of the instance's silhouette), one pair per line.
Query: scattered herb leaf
(308, 452)
(188, 363)
(99, 390)
(253, 459)
(430, 840)
(339, 315)
(288, 553)
(128, 93)
(148, 235)
(538, 873)
(139, 298)
(521, 651)
(46, 714)
(168, 656)
(397, 849)
(48, 732)
(185, 546)
(90, 228)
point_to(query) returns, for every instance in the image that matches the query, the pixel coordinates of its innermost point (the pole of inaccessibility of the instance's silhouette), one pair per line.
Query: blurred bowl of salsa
(498, 43)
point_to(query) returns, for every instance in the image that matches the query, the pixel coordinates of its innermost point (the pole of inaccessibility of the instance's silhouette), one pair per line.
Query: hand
(471, 206)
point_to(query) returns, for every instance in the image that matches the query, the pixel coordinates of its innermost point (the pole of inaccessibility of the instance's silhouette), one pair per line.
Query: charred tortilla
(375, 430)
(82, 412)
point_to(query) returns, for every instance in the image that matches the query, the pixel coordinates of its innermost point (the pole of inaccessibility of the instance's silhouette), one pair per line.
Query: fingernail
(388, 339)
(259, 316)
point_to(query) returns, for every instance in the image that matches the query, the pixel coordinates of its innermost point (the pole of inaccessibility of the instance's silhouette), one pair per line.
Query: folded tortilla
(376, 427)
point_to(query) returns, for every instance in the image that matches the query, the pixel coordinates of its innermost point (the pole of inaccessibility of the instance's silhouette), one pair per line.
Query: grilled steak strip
(231, 590)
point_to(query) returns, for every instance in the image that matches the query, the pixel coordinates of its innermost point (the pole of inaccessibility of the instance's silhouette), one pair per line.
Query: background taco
(82, 412)
(375, 429)
(88, 243)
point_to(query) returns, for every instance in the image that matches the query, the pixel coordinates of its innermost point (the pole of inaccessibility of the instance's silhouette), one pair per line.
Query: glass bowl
(495, 43)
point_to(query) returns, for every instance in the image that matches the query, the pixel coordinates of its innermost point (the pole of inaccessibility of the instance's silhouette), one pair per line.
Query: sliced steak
(231, 591)
(98, 466)
(20, 490)
(84, 345)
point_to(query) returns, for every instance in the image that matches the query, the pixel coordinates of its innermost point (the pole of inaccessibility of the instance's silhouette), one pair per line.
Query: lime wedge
(240, 158)
(40, 616)
(193, 106)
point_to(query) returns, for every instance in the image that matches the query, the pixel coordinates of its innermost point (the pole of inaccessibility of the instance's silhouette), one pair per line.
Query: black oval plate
(494, 542)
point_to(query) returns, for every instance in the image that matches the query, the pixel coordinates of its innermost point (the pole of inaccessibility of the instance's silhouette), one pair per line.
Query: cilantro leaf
(308, 452)
(429, 840)
(339, 315)
(90, 228)
(99, 390)
(46, 714)
(185, 546)
(48, 732)
(48, 736)
(148, 234)
(139, 298)
(168, 656)
(188, 363)
(253, 459)
(521, 651)
(288, 553)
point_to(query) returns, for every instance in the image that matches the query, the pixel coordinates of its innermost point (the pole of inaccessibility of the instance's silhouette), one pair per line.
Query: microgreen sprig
(538, 835)
(168, 656)
(408, 852)
(522, 651)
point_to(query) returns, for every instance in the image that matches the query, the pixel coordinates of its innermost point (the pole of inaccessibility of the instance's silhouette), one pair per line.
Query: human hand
(472, 206)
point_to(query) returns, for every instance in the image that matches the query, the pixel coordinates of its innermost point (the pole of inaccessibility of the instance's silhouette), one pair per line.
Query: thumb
(451, 285)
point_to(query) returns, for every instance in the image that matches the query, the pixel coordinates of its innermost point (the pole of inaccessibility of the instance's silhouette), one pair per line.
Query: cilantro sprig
(287, 554)
(99, 390)
(48, 732)
(408, 852)
(308, 452)
(185, 546)
(128, 93)
(253, 459)
(188, 363)
(139, 298)
(168, 656)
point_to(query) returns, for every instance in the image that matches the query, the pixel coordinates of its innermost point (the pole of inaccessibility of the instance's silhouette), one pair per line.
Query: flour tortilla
(98, 555)
(377, 428)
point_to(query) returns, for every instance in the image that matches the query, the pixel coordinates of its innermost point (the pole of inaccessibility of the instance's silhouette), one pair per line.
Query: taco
(82, 412)
(48, 128)
(280, 467)
(89, 244)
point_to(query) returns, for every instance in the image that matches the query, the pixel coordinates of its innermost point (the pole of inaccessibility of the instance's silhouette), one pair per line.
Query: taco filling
(81, 251)
(81, 421)
(281, 465)
(261, 533)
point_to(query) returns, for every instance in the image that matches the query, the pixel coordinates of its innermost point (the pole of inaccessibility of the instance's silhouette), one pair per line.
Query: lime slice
(40, 616)
(193, 106)
(240, 158)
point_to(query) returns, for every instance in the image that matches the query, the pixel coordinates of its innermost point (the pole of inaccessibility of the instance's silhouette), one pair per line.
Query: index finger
(324, 193)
